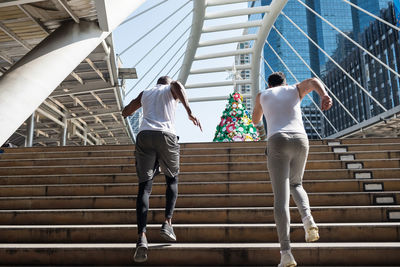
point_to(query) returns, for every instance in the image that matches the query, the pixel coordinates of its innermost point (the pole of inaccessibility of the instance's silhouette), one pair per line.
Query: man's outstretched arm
(314, 84)
(257, 111)
(178, 92)
(134, 105)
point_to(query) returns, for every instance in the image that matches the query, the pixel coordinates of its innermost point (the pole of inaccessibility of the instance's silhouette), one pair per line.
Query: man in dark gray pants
(287, 151)
(157, 145)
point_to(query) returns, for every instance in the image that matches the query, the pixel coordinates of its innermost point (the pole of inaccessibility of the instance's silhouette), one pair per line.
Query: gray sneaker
(167, 232)
(141, 250)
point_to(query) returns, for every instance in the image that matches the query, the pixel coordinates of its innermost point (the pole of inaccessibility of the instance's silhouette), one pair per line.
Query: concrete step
(317, 144)
(194, 158)
(67, 154)
(197, 233)
(67, 148)
(313, 156)
(369, 140)
(130, 177)
(339, 214)
(195, 187)
(195, 200)
(372, 147)
(88, 161)
(59, 166)
(207, 254)
(211, 162)
(212, 148)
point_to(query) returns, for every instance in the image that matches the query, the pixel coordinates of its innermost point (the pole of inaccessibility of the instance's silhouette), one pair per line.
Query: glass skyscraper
(348, 19)
(362, 20)
(339, 13)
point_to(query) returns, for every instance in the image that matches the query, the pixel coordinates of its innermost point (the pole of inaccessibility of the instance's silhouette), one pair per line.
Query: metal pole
(64, 132)
(85, 139)
(30, 130)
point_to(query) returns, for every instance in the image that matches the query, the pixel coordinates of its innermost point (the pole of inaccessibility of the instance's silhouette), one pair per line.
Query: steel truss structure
(84, 108)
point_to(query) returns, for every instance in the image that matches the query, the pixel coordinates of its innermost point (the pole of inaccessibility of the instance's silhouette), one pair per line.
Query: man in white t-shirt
(157, 145)
(287, 151)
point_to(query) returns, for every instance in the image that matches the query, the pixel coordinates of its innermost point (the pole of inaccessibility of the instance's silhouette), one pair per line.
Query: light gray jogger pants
(287, 155)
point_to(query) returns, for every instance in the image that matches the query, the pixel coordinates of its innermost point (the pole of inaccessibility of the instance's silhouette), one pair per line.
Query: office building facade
(383, 85)
(341, 14)
(245, 75)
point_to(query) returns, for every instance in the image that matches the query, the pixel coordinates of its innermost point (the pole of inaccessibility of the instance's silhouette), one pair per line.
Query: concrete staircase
(76, 206)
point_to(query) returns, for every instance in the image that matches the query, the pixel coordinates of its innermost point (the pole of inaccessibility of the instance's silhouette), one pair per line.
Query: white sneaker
(287, 260)
(311, 229)
(312, 234)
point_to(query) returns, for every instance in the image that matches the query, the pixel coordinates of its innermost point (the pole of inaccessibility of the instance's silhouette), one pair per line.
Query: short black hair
(164, 80)
(276, 79)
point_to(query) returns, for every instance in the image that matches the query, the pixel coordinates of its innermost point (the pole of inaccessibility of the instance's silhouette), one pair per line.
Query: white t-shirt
(281, 108)
(159, 108)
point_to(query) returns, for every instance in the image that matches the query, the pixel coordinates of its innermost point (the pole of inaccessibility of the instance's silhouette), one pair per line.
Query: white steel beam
(113, 129)
(275, 8)
(213, 98)
(224, 54)
(95, 68)
(67, 8)
(50, 116)
(232, 26)
(226, 2)
(37, 21)
(83, 89)
(199, 10)
(10, 33)
(108, 112)
(220, 69)
(7, 58)
(238, 12)
(6, 3)
(216, 84)
(235, 39)
(77, 77)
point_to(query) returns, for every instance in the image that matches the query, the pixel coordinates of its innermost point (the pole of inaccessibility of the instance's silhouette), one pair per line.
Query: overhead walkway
(199, 39)
(58, 64)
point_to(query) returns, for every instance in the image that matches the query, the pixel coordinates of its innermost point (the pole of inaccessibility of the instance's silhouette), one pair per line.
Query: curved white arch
(269, 19)
(199, 10)
(264, 25)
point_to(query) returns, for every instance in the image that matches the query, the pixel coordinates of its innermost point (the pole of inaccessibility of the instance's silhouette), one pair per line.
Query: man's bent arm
(257, 111)
(178, 92)
(314, 84)
(134, 105)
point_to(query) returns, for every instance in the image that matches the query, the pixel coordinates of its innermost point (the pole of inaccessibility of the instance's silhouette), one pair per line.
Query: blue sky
(168, 53)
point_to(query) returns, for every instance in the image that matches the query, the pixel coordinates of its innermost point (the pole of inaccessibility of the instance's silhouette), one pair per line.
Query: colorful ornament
(230, 128)
(246, 121)
(236, 124)
(248, 137)
(237, 97)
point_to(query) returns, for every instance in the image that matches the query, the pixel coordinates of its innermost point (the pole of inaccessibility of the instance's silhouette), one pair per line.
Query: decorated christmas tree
(236, 123)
